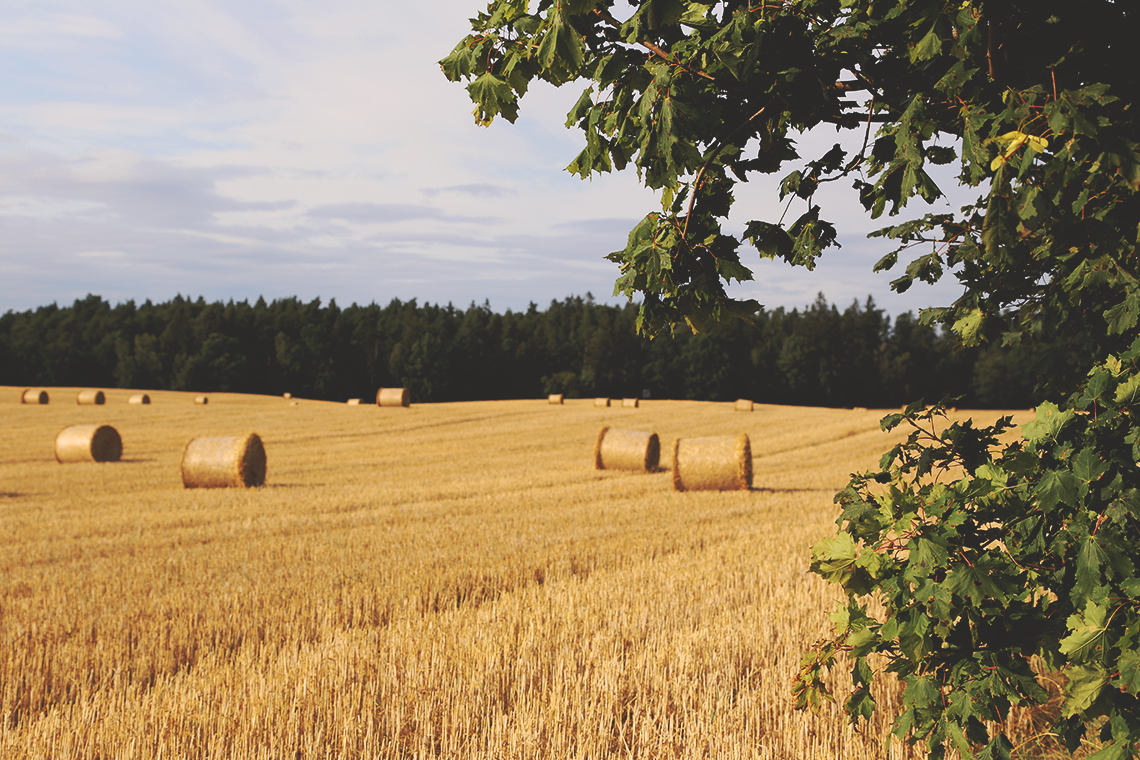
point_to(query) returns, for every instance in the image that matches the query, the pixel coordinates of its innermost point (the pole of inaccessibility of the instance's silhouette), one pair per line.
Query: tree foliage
(987, 547)
(820, 356)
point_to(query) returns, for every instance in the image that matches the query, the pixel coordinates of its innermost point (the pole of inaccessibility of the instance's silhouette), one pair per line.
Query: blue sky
(242, 149)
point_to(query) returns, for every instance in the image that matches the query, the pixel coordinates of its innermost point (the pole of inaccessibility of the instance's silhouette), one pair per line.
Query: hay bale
(202, 400)
(393, 397)
(743, 405)
(224, 462)
(88, 443)
(353, 402)
(721, 463)
(554, 398)
(90, 398)
(34, 396)
(287, 395)
(138, 398)
(601, 402)
(294, 403)
(629, 403)
(626, 450)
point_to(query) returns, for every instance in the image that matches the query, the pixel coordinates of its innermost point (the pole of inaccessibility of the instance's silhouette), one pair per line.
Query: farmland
(447, 580)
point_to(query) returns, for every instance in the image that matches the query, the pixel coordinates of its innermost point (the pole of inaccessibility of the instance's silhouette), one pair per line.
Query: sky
(280, 148)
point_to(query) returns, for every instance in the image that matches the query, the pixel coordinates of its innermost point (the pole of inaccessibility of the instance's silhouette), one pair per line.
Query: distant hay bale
(722, 463)
(860, 408)
(224, 462)
(554, 398)
(629, 403)
(294, 403)
(626, 450)
(88, 443)
(393, 397)
(90, 398)
(353, 402)
(743, 405)
(138, 398)
(34, 396)
(601, 402)
(287, 394)
(201, 399)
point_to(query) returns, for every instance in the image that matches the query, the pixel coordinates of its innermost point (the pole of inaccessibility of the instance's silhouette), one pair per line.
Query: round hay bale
(34, 396)
(201, 400)
(90, 398)
(353, 402)
(88, 443)
(554, 398)
(721, 463)
(287, 394)
(393, 397)
(629, 403)
(626, 450)
(294, 403)
(138, 398)
(601, 402)
(743, 405)
(224, 462)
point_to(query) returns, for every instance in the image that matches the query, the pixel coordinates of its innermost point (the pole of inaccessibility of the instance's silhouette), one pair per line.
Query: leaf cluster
(987, 549)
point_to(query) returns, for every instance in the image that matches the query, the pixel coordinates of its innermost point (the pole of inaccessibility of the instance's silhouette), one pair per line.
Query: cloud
(475, 190)
(373, 213)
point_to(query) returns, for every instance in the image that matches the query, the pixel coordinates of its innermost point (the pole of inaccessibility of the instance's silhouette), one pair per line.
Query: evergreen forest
(820, 355)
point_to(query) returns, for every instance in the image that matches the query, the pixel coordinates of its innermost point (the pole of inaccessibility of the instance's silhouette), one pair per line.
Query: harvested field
(456, 580)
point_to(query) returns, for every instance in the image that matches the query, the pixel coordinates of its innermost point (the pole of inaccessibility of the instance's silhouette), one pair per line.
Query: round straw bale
(34, 396)
(90, 398)
(138, 398)
(201, 399)
(287, 394)
(743, 405)
(88, 443)
(393, 397)
(721, 463)
(626, 450)
(601, 402)
(629, 403)
(554, 398)
(354, 402)
(224, 462)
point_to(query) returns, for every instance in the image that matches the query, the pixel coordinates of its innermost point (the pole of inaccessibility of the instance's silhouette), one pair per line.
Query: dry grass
(453, 581)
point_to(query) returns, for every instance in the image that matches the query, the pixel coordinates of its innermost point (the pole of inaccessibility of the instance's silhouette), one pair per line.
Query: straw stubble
(224, 462)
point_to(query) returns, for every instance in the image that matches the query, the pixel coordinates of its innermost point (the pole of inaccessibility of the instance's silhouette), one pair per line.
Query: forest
(819, 355)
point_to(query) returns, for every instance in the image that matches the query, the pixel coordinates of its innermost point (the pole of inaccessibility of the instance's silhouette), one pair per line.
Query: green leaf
(1047, 424)
(1115, 751)
(967, 326)
(1087, 638)
(493, 97)
(1085, 684)
(1129, 668)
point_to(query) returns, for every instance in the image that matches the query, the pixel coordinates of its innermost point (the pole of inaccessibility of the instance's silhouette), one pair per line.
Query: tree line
(819, 355)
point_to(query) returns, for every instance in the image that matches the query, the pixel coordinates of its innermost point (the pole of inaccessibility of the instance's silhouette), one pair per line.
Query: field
(447, 580)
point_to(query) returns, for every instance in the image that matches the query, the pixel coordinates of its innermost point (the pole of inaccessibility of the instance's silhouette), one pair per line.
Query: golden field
(446, 580)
